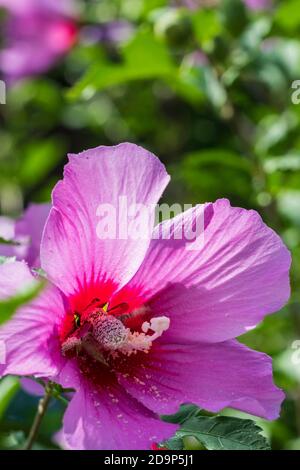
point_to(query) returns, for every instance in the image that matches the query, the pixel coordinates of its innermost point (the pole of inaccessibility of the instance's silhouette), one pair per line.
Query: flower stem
(42, 408)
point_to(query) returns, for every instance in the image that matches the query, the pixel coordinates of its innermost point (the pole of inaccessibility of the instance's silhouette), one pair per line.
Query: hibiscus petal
(60, 440)
(74, 254)
(212, 376)
(7, 228)
(23, 41)
(27, 231)
(30, 337)
(32, 387)
(31, 227)
(15, 279)
(110, 419)
(221, 288)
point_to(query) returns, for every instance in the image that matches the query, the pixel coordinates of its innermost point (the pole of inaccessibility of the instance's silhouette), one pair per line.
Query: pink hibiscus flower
(139, 326)
(36, 34)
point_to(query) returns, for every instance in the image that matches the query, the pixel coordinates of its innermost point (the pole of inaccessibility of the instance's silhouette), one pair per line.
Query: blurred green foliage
(210, 92)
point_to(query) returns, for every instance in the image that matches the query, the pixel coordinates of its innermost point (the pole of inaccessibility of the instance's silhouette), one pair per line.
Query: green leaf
(200, 173)
(289, 204)
(287, 365)
(196, 82)
(185, 412)
(144, 57)
(213, 88)
(12, 441)
(224, 433)
(255, 33)
(8, 388)
(9, 306)
(273, 129)
(173, 26)
(288, 15)
(39, 159)
(175, 443)
(207, 25)
(286, 55)
(288, 162)
(234, 15)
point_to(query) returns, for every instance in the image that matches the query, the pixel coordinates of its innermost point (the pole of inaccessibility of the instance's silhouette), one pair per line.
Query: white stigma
(158, 325)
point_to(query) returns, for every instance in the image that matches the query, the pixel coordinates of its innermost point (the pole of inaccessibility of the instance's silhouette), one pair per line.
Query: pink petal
(15, 279)
(212, 376)
(30, 227)
(110, 419)
(22, 7)
(32, 387)
(26, 19)
(258, 4)
(7, 228)
(27, 231)
(30, 337)
(219, 291)
(59, 439)
(72, 253)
